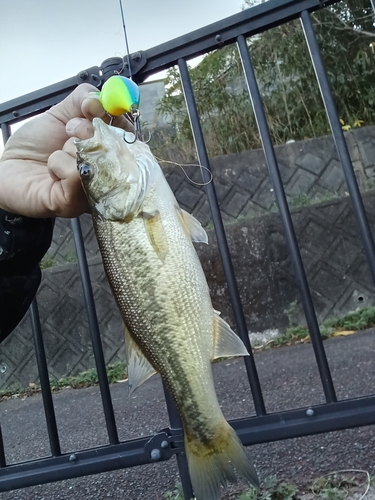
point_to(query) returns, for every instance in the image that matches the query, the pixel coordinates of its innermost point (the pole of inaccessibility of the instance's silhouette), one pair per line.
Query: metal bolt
(137, 57)
(3, 368)
(164, 444)
(94, 77)
(73, 457)
(155, 454)
(218, 39)
(83, 75)
(16, 114)
(310, 412)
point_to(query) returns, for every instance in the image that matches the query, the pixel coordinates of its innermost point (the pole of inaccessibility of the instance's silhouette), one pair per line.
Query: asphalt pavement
(289, 379)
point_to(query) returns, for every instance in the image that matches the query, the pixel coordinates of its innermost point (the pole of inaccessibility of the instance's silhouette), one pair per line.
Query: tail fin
(210, 463)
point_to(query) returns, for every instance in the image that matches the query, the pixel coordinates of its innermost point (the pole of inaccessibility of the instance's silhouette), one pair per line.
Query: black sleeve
(23, 243)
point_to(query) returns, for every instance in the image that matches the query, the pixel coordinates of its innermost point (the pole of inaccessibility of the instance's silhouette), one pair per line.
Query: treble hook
(135, 114)
(119, 96)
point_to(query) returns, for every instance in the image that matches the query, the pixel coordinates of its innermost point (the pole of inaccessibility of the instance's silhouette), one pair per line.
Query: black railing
(257, 429)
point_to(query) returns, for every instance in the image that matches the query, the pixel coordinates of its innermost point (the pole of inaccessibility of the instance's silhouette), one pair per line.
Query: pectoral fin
(139, 368)
(192, 226)
(156, 234)
(226, 342)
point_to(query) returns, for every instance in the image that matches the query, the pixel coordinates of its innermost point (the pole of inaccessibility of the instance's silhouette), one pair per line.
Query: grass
(115, 373)
(333, 486)
(359, 320)
(356, 321)
(47, 262)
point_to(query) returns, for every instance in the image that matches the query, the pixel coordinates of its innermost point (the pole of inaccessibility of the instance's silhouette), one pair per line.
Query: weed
(334, 486)
(271, 490)
(359, 320)
(291, 312)
(47, 262)
(70, 258)
(115, 372)
(176, 494)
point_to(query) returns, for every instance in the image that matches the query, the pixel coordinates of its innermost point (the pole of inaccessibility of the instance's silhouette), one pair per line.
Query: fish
(146, 243)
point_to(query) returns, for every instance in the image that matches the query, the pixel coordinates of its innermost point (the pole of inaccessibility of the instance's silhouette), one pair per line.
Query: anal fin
(192, 226)
(139, 368)
(226, 342)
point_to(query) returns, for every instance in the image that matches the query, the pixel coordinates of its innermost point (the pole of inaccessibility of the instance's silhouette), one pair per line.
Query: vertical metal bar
(338, 136)
(176, 425)
(5, 129)
(373, 4)
(2, 452)
(44, 380)
(40, 353)
(221, 238)
(95, 333)
(299, 270)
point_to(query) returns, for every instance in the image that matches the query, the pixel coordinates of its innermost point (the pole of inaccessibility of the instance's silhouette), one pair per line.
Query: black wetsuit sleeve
(23, 243)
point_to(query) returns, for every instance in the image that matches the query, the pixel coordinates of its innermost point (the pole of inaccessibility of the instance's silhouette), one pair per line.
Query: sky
(45, 41)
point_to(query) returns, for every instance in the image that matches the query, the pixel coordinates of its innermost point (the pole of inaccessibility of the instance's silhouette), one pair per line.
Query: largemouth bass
(145, 239)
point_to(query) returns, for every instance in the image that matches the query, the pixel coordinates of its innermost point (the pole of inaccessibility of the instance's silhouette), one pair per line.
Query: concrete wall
(332, 253)
(151, 93)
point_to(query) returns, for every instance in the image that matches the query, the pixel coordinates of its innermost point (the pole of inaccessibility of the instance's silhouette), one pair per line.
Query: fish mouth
(103, 134)
(96, 142)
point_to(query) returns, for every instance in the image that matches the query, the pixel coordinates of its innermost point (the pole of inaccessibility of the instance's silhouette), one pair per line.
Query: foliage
(47, 262)
(286, 79)
(177, 494)
(334, 487)
(272, 490)
(360, 320)
(115, 373)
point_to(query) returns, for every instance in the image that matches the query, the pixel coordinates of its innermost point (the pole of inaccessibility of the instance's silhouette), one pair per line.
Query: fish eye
(85, 171)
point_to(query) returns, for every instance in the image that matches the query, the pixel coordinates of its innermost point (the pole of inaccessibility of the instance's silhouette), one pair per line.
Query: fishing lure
(120, 95)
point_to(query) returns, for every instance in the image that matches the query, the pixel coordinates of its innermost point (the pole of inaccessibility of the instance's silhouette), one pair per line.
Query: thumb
(71, 106)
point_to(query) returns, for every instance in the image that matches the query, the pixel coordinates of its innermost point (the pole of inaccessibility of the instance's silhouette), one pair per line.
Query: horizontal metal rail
(247, 23)
(254, 430)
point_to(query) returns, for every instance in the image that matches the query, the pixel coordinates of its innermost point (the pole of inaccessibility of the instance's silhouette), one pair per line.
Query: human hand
(38, 171)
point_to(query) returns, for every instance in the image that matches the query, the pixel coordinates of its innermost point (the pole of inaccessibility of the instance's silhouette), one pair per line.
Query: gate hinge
(164, 445)
(91, 75)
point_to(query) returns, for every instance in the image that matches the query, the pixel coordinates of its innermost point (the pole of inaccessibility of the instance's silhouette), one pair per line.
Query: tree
(291, 97)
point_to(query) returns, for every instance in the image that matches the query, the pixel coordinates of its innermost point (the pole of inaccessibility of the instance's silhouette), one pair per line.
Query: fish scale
(157, 280)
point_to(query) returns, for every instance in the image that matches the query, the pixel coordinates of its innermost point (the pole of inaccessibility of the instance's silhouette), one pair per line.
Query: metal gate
(264, 427)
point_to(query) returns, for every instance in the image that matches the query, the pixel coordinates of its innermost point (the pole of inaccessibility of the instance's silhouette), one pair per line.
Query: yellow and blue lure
(120, 95)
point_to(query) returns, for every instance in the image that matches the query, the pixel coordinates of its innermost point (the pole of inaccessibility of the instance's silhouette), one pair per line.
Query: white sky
(45, 41)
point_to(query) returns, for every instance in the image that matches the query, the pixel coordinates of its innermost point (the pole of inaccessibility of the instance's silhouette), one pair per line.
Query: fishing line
(123, 64)
(126, 41)
(189, 165)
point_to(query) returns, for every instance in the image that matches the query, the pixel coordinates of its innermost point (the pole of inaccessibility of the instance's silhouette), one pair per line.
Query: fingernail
(93, 95)
(72, 125)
